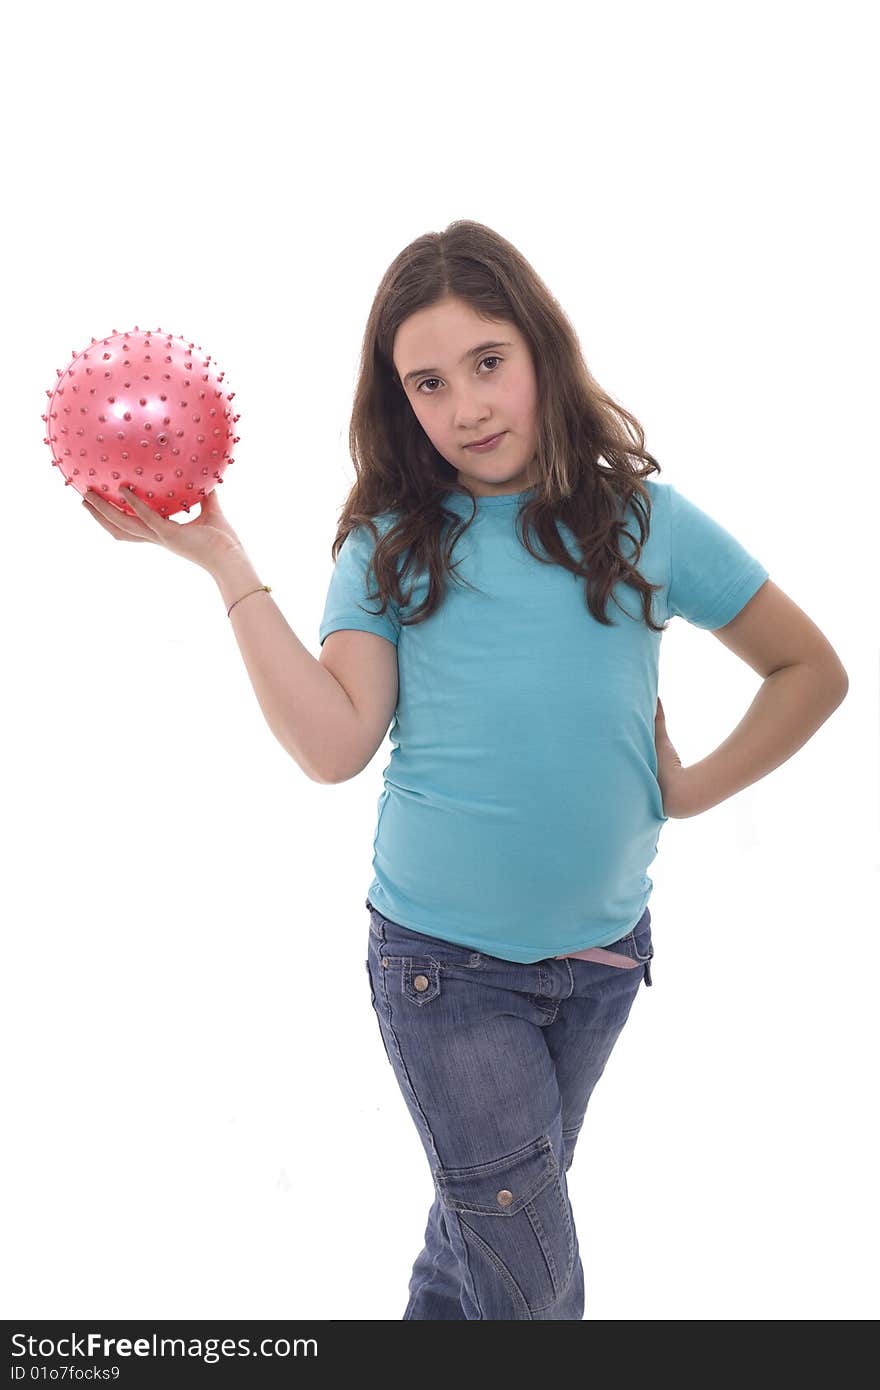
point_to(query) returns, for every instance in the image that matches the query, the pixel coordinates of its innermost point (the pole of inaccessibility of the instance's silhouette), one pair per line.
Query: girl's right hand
(205, 541)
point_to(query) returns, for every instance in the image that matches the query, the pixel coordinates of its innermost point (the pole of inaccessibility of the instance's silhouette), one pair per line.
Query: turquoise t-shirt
(521, 808)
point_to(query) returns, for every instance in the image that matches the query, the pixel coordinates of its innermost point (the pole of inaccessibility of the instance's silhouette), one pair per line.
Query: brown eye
(491, 358)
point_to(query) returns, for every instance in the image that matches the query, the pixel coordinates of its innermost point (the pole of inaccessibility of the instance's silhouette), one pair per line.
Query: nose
(470, 417)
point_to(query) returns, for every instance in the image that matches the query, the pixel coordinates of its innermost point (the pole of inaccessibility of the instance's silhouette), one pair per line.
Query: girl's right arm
(331, 725)
(307, 709)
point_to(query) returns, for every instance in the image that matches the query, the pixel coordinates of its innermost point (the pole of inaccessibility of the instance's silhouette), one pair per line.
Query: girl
(531, 772)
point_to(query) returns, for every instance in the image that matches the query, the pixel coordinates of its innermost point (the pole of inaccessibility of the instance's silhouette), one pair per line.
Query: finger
(116, 531)
(145, 514)
(118, 521)
(209, 503)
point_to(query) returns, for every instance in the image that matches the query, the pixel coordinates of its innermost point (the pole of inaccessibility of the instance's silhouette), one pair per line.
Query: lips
(489, 437)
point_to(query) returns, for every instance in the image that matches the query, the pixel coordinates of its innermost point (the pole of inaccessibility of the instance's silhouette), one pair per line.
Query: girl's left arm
(803, 683)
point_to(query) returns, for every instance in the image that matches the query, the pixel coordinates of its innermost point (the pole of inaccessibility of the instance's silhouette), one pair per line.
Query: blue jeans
(496, 1062)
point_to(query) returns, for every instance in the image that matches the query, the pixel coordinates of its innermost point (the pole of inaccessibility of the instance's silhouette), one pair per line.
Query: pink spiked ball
(142, 408)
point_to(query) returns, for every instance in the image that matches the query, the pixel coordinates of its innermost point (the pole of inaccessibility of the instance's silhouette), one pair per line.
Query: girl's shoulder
(657, 490)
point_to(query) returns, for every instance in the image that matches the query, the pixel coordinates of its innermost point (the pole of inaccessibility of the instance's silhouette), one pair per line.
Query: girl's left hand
(672, 777)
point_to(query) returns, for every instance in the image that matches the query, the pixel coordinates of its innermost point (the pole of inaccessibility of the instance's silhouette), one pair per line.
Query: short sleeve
(711, 573)
(347, 604)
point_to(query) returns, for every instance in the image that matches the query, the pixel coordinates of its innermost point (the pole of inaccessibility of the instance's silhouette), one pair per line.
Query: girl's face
(459, 395)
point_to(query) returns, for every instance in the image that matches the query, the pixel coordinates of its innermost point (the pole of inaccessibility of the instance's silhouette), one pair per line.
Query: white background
(202, 1119)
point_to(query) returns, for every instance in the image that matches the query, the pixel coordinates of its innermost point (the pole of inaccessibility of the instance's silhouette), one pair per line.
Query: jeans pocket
(643, 945)
(420, 980)
(638, 942)
(515, 1215)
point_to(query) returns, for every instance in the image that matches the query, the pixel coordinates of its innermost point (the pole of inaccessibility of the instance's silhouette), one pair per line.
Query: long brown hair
(398, 469)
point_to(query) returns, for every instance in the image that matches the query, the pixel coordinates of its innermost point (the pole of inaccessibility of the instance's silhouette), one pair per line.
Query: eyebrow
(471, 352)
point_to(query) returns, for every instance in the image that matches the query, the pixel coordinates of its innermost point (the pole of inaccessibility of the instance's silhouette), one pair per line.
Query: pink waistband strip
(599, 953)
